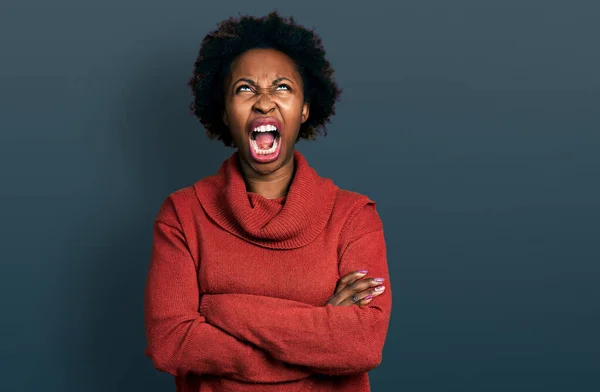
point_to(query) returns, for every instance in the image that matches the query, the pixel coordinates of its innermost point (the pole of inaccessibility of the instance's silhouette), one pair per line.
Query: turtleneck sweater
(237, 286)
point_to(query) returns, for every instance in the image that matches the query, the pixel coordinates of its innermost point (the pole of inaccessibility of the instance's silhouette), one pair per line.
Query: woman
(265, 276)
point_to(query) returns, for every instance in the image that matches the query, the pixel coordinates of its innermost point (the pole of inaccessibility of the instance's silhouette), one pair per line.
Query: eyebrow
(252, 83)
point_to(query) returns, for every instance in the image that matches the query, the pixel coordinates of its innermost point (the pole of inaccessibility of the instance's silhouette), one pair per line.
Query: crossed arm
(280, 340)
(180, 340)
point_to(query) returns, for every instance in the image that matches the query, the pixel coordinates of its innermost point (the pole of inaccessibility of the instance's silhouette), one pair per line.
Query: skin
(352, 289)
(266, 83)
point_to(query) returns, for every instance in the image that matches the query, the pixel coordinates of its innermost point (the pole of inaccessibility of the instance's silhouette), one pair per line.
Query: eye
(284, 85)
(243, 86)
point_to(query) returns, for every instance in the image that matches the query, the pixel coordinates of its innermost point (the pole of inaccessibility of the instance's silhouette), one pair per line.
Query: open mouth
(265, 139)
(265, 143)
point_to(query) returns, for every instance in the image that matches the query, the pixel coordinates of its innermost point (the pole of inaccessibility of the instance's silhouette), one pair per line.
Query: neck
(269, 186)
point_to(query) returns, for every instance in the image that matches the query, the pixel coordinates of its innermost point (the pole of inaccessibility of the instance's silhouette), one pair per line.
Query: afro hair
(235, 36)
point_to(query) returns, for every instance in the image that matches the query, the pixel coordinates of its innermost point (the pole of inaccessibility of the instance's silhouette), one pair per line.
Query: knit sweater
(237, 286)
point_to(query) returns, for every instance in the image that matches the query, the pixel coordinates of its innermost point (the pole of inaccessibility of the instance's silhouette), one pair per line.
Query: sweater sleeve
(179, 339)
(335, 340)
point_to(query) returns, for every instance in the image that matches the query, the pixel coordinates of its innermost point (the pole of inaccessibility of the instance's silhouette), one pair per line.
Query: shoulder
(359, 213)
(176, 206)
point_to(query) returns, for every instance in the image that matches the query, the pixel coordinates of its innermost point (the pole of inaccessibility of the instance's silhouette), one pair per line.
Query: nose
(264, 104)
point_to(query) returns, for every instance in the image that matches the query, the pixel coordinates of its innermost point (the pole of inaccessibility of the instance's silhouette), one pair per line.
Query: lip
(257, 122)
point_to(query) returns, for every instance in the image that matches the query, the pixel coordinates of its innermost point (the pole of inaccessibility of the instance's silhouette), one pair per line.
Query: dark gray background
(473, 124)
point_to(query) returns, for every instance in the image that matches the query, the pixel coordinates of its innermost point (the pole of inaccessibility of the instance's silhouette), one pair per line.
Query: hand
(351, 290)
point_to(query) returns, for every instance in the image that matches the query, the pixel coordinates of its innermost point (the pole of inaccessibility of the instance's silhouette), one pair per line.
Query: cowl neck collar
(283, 223)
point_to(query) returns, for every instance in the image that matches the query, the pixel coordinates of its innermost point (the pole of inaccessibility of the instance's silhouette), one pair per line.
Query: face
(264, 108)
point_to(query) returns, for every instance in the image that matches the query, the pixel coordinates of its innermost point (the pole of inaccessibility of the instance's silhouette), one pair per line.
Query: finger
(358, 286)
(365, 301)
(359, 298)
(373, 292)
(348, 279)
(364, 297)
(337, 301)
(355, 286)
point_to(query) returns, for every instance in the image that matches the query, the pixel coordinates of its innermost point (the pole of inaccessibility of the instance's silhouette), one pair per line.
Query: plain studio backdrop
(474, 125)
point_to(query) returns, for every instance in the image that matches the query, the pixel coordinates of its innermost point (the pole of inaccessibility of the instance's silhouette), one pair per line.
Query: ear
(305, 111)
(225, 118)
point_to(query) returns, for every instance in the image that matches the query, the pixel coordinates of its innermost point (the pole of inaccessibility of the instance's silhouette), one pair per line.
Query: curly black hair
(236, 36)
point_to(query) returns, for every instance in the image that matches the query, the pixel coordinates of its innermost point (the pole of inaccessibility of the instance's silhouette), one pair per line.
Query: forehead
(259, 63)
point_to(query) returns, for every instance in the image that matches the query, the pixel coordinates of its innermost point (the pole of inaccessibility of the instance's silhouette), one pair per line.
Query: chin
(285, 155)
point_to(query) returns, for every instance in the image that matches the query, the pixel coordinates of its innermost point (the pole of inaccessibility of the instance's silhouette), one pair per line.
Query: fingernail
(362, 272)
(378, 280)
(379, 288)
(368, 297)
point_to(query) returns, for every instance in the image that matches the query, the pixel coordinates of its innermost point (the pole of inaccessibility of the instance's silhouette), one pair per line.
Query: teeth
(265, 128)
(260, 151)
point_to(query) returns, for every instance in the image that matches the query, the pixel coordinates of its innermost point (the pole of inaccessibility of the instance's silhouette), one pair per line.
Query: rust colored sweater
(237, 285)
